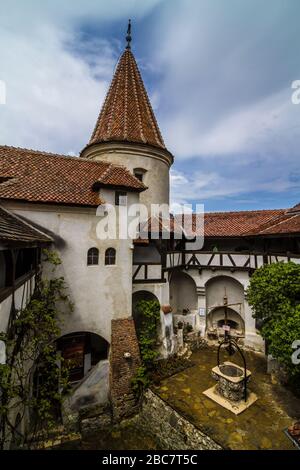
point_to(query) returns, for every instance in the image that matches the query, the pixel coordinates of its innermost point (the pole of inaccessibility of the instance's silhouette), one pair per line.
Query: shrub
(274, 295)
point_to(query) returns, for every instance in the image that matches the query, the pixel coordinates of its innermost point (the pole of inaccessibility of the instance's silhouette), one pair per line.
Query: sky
(219, 74)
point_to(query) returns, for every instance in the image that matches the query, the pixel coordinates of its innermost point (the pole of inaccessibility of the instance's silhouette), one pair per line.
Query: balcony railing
(227, 260)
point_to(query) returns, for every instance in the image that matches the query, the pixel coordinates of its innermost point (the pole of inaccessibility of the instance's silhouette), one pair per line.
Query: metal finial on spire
(128, 37)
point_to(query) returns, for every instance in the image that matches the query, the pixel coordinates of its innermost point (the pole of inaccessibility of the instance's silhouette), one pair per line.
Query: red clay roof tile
(239, 223)
(288, 223)
(14, 229)
(127, 114)
(44, 177)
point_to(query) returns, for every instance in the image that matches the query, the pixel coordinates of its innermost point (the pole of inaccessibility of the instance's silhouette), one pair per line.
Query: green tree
(31, 382)
(274, 295)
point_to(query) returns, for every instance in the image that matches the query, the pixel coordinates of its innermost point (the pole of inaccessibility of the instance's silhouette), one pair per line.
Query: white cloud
(270, 125)
(223, 92)
(51, 95)
(55, 83)
(200, 186)
(227, 74)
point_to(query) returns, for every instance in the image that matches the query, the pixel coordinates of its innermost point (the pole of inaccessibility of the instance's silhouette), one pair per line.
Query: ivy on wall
(31, 381)
(149, 310)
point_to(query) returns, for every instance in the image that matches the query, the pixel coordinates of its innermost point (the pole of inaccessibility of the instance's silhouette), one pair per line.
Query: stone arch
(136, 298)
(84, 350)
(215, 319)
(183, 292)
(216, 289)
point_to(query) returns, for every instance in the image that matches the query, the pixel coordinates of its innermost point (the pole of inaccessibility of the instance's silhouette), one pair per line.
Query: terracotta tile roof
(156, 225)
(14, 229)
(248, 223)
(296, 208)
(35, 176)
(229, 224)
(114, 176)
(127, 114)
(239, 223)
(288, 223)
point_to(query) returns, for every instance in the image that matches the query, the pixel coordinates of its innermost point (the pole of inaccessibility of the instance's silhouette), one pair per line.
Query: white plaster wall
(100, 293)
(183, 292)
(22, 296)
(215, 291)
(4, 313)
(156, 177)
(156, 162)
(252, 337)
(218, 314)
(160, 290)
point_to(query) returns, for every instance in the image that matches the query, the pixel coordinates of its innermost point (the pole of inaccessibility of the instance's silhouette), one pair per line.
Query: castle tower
(127, 133)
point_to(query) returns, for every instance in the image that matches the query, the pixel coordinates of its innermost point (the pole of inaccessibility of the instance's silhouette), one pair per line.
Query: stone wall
(124, 362)
(170, 429)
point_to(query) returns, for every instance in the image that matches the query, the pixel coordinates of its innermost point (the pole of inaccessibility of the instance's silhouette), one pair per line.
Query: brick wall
(122, 370)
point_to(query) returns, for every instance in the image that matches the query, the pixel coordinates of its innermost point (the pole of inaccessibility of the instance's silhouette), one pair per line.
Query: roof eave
(130, 143)
(98, 185)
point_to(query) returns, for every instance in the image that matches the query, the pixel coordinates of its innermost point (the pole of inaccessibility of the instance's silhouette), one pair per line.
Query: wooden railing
(225, 260)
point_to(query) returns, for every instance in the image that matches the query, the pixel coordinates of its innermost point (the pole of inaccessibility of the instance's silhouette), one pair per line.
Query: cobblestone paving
(259, 427)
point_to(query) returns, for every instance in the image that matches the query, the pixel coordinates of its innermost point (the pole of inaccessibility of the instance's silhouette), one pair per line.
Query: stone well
(230, 391)
(231, 381)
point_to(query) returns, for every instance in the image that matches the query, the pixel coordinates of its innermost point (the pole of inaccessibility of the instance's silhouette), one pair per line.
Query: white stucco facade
(210, 287)
(153, 161)
(22, 296)
(100, 293)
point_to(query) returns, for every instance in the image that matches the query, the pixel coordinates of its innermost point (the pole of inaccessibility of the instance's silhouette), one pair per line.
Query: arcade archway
(136, 312)
(183, 293)
(82, 351)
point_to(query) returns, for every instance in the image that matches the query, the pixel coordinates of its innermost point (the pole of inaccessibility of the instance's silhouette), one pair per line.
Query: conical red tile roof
(127, 114)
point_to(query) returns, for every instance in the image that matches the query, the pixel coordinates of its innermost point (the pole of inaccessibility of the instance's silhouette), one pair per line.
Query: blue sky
(218, 72)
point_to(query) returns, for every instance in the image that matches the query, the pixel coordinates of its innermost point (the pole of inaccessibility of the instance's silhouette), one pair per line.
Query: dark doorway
(81, 351)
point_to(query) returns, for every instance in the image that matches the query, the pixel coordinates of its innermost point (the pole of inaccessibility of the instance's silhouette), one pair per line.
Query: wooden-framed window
(110, 256)
(121, 198)
(93, 256)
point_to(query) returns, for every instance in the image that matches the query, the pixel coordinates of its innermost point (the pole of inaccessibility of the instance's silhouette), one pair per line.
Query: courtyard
(259, 427)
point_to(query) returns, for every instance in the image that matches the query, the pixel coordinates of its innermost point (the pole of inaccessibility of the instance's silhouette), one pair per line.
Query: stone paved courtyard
(259, 427)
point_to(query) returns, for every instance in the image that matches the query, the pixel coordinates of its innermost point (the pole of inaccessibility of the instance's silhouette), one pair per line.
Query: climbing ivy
(149, 311)
(32, 355)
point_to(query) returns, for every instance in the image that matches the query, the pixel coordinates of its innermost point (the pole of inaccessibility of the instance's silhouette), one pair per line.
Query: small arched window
(92, 256)
(110, 256)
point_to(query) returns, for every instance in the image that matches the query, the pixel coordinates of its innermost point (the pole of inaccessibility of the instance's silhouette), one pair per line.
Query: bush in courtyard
(274, 295)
